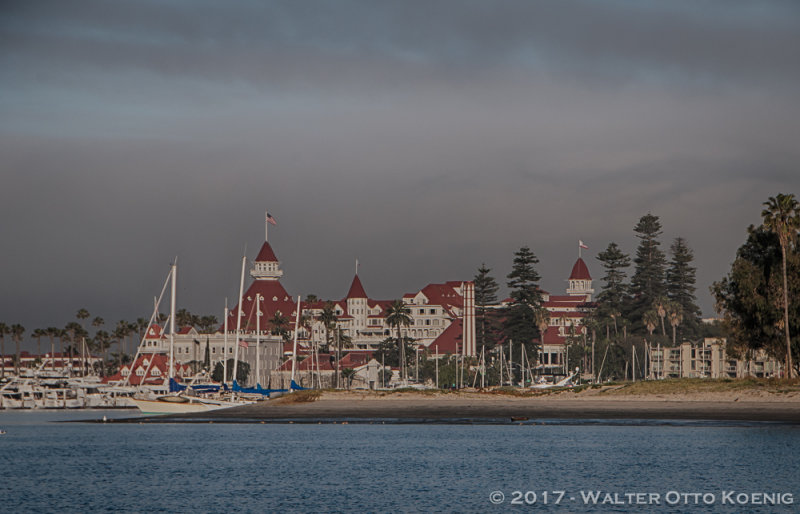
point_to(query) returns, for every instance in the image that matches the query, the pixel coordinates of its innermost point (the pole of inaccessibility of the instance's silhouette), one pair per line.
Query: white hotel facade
(442, 320)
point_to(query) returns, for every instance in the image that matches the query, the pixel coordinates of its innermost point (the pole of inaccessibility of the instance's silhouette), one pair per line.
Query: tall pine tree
(614, 294)
(485, 295)
(681, 287)
(647, 283)
(520, 316)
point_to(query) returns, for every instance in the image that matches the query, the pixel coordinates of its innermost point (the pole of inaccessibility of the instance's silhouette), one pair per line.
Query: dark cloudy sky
(422, 138)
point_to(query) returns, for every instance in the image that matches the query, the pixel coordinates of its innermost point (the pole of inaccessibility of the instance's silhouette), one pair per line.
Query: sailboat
(177, 402)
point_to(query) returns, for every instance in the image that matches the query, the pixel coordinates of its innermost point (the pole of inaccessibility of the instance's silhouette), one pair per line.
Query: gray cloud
(422, 138)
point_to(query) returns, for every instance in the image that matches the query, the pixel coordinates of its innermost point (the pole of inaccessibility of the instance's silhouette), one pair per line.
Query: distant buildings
(51, 361)
(708, 359)
(566, 318)
(438, 312)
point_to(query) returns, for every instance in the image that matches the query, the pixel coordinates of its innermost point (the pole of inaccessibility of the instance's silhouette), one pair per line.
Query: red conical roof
(266, 254)
(580, 271)
(356, 289)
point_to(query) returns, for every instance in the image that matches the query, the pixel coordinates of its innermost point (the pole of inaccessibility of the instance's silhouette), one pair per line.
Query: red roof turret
(266, 254)
(580, 271)
(356, 289)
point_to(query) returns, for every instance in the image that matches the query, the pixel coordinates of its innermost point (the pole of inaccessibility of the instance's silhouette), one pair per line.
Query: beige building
(708, 359)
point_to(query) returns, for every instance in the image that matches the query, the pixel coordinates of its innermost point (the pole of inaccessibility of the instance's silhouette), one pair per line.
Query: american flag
(271, 220)
(243, 344)
(580, 243)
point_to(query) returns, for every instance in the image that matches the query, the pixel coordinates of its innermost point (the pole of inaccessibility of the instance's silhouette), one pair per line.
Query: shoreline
(484, 407)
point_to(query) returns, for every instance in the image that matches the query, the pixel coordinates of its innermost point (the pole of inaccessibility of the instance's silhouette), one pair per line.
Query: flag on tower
(271, 220)
(580, 243)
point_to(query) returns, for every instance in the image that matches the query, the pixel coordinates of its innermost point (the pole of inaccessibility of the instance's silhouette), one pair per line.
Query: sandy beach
(608, 403)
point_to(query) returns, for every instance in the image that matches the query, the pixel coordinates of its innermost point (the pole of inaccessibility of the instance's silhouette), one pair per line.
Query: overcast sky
(422, 138)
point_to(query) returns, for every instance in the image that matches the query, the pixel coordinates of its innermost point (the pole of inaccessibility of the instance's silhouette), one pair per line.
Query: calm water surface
(75, 467)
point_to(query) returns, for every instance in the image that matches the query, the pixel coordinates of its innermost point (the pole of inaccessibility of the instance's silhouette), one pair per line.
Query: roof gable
(580, 271)
(356, 289)
(266, 254)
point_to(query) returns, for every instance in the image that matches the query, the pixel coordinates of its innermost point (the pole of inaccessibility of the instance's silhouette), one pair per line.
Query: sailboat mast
(258, 337)
(238, 322)
(225, 347)
(294, 346)
(172, 319)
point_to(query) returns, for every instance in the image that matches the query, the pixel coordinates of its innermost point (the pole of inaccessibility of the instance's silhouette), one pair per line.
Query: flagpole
(266, 225)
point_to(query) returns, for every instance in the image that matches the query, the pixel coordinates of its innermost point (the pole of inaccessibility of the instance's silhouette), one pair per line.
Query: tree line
(759, 298)
(82, 337)
(626, 315)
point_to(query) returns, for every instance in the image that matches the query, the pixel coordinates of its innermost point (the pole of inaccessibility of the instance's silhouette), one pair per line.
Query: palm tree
(16, 334)
(206, 324)
(660, 306)
(140, 326)
(82, 315)
(52, 332)
(650, 319)
(38, 334)
(120, 334)
(62, 334)
(101, 343)
(542, 319)
(279, 324)
(782, 216)
(328, 319)
(397, 315)
(184, 318)
(4, 331)
(675, 313)
(73, 332)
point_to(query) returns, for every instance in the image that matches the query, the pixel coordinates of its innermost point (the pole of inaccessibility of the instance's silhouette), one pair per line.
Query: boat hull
(158, 407)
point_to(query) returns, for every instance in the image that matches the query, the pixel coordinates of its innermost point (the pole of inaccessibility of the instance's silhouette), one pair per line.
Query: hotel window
(433, 311)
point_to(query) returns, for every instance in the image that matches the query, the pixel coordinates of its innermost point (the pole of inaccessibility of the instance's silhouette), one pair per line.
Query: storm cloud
(423, 138)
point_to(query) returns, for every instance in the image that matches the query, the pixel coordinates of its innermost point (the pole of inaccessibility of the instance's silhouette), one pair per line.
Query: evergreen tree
(520, 317)
(647, 283)
(485, 294)
(750, 297)
(681, 287)
(614, 294)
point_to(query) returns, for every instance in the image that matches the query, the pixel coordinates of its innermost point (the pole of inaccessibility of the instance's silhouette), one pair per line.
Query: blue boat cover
(266, 392)
(175, 387)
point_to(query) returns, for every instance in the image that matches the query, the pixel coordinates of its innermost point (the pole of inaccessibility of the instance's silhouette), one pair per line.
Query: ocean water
(49, 466)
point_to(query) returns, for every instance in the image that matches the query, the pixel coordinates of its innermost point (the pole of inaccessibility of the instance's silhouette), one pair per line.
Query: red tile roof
(448, 341)
(266, 254)
(356, 289)
(354, 360)
(275, 299)
(444, 294)
(309, 364)
(154, 332)
(580, 271)
(157, 361)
